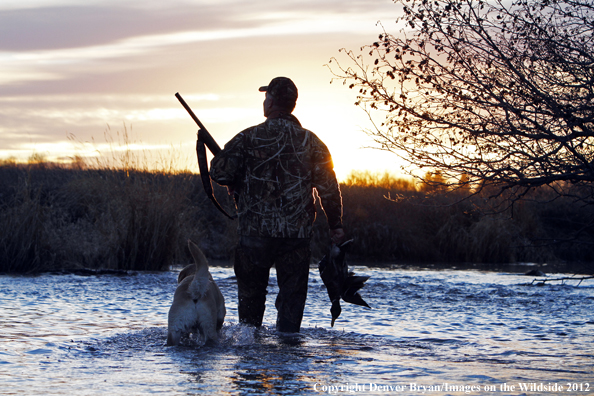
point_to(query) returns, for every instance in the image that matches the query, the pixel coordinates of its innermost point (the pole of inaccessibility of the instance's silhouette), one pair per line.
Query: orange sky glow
(72, 72)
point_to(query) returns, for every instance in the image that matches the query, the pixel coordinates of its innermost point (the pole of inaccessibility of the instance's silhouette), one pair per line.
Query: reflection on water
(429, 332)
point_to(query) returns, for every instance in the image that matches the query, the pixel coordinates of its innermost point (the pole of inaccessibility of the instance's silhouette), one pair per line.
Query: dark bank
(55, 217)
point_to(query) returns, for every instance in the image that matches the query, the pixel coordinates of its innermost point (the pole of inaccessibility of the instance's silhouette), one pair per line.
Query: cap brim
(263, 89)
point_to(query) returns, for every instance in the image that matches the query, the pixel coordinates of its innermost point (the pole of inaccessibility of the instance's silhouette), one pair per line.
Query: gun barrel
(203, 135)
(183, 103)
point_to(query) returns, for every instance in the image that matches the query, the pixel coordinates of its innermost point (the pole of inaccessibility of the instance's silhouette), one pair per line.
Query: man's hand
(337, 235)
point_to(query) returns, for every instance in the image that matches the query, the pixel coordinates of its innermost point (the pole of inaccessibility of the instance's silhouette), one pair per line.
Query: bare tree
(493, 93)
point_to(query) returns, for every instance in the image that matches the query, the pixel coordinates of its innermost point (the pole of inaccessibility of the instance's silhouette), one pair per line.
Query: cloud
(53, 43)
(100, 109)
(95, 24)
(72, 67)
(60, 27)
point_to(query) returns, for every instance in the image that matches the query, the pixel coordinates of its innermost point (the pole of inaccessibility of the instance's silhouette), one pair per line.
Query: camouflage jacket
(274, 167)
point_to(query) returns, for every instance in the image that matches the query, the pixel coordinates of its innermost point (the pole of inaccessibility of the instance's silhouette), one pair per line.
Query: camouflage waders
(253, 259)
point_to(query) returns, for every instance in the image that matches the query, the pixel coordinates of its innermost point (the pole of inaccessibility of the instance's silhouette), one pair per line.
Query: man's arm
(226, 165)
(324, 181)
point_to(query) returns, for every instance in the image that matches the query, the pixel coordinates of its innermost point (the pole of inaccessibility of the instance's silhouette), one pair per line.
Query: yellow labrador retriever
(197, 302)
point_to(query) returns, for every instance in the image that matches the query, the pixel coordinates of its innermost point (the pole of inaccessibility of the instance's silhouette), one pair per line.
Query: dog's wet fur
(198, 304)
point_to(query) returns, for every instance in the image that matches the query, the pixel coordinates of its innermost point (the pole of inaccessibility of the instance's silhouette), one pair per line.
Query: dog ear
(187, 271)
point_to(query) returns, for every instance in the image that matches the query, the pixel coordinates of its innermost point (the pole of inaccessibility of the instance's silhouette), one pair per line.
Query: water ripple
(106, 335)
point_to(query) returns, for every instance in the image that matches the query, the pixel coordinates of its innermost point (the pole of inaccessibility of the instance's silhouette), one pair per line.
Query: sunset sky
(79, 69)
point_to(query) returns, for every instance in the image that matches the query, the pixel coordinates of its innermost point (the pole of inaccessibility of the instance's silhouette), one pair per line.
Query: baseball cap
(283, 89)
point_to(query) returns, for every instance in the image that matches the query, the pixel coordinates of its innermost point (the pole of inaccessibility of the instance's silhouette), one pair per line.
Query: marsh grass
(63, 217)
(56, 218)
(428, 227)
(21, 247)
(108, 211)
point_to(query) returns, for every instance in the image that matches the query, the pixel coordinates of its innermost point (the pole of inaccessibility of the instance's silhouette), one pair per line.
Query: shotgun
(204, 138)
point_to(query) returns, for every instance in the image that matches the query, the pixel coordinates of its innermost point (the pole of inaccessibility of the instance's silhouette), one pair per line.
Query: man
(272, 169)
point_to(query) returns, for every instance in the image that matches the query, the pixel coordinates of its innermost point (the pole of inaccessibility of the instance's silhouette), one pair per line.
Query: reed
(104, 212)
(56, 217)
(22, 239)
(425, 226)
(385, 181)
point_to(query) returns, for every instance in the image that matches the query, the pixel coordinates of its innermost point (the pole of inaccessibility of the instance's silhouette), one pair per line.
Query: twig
(542, 281)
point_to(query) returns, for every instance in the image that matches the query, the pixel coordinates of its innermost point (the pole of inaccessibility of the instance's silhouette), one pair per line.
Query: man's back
(274, 167)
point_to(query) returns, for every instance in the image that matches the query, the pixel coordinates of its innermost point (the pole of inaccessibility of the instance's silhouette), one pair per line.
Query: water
(452, 332)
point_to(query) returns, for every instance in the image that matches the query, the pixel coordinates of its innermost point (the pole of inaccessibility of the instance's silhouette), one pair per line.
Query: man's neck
(276, 113)
(283, 114)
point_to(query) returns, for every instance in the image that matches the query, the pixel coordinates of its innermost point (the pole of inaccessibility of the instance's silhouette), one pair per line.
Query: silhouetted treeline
(54, 218)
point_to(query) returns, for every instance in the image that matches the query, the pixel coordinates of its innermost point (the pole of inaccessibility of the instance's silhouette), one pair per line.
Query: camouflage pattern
(274, 167)
(253, 259)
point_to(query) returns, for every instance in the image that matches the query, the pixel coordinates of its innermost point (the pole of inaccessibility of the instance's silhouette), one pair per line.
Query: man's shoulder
(286, 123)
(274, 126)
(250, 130)
(246, 132)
